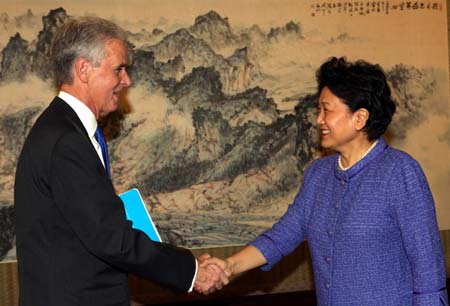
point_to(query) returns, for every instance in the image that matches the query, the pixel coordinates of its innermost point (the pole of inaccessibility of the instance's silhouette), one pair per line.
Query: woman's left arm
(414, 208)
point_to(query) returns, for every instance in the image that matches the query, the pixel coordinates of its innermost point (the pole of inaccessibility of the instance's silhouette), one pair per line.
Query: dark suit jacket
(74, 245)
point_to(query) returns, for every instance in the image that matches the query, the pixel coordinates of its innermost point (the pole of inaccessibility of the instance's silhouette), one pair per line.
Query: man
(74, 245)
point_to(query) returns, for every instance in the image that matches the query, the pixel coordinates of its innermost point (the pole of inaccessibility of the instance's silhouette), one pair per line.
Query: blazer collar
(373, 155)
(71, 116)
(85, 115)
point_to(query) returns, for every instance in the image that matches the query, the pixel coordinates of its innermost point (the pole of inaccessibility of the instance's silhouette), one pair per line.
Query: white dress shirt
(87, 118)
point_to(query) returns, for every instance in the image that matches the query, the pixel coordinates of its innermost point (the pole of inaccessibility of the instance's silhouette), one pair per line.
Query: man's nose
(126, 80)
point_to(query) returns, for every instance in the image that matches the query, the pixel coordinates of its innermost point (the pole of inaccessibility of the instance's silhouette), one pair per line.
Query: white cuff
(195, 276)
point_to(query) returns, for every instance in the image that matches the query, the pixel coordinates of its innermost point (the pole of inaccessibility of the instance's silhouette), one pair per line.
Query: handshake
(212, 274)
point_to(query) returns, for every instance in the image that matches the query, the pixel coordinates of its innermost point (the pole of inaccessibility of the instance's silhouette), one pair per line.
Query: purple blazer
(371, 230)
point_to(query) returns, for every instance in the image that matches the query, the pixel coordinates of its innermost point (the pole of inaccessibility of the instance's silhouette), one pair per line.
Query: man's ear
(82, 67)
(360, 117)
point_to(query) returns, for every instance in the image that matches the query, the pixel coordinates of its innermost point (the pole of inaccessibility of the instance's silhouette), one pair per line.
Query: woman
(366, 211)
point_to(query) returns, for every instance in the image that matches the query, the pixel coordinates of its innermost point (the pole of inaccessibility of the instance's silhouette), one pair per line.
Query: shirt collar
(83, 112)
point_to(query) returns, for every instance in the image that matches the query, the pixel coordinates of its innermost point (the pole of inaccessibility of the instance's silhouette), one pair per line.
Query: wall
(294, 273)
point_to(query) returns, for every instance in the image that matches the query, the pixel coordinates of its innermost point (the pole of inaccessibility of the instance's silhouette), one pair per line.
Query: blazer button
(330, 232)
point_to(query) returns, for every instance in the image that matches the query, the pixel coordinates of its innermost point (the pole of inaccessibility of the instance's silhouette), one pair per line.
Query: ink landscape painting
(219, 123)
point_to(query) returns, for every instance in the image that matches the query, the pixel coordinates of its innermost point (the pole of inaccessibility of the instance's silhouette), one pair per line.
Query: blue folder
(138, 214)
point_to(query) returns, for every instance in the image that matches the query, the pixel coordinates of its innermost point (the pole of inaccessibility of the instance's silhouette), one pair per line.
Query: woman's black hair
(360, 85)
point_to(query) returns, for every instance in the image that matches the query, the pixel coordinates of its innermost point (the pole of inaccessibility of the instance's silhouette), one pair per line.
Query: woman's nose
(319, 118)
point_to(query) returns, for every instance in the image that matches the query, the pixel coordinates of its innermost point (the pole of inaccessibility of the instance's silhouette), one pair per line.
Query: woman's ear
(360, 117)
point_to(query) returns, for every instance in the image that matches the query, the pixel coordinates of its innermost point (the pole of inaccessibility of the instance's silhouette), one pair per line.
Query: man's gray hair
(83, 37)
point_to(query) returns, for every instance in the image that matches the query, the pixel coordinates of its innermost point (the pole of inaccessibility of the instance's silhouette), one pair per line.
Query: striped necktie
(101, 141)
